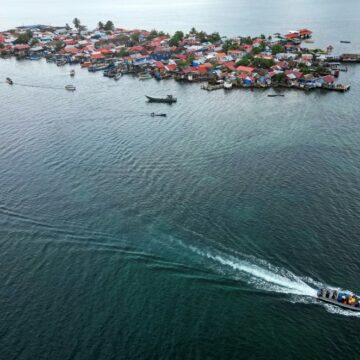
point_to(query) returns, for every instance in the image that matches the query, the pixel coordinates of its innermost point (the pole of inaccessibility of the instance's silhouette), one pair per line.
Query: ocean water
(203, 235)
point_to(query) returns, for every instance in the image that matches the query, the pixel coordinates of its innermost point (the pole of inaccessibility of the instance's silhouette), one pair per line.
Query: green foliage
(101, 25)
(122, 53)
(202, 36)
(245, 61)
(77, 23)
(322, 70)
(193, 31)
(2, 46)
(246, 40)
(109, 26)
(262, 36)
(58, 45)
(161, 33)
(277, 49)
(153, 34)
(135, 37)
(24, 38)
(263, 63)
(214, 37)
(304, 69)
(33, 42)
(256, 50)
(230, 45)
(176, 38)
(280, 77)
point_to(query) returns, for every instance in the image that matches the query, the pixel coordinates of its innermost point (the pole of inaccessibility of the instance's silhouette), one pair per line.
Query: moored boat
(70, 87)
(345, 41)
(72, 73)
(9, 81)
(168, 100)
(145, 76)
(344, 299)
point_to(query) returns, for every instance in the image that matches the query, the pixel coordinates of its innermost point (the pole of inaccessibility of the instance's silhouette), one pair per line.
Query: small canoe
(275, 95)
(72, 73)
(345, 42)
(70, 87)
(9, 81)
(161, 115)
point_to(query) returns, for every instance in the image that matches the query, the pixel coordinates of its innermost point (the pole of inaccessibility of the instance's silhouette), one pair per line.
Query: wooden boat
(70, 87)
(85, 64)
(344, 299)
(168, 100)
(228, 85)
(275, 95)
(117, 76)
(145, 76)
(72, 73)
(345, 42)
(9, 81)
(60, 62)
(161, 115)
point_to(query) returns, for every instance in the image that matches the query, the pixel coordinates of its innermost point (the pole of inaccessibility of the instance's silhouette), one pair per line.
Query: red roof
(246, 69)
(159, 65)
(305, 32)
(292, 36)
(329, 79)
(170, 67)
(230, 65)
(2, 39)
(71, 50)
(97, 56)
(21, 47)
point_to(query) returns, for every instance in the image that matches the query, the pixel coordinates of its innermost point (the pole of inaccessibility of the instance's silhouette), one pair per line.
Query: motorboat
(72, 73)
(344, 299)
(169, 99)
(117, 76)
(9, 81)
(70, 87)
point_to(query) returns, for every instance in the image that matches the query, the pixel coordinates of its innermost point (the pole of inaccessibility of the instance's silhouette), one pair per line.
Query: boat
(228, 85)
(117, 76)
(275, 95)
(168, 100)
(145, 76)
(344, 299)
(72, 73)
(9, 81)
(345, 41)
(61, 62)
(162, 115)
(70, 87)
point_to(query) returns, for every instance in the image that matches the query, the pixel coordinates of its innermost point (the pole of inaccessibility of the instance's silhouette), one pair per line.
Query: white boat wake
(264, 276)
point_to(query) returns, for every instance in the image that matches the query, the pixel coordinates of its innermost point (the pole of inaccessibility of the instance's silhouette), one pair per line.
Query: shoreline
(273, 62)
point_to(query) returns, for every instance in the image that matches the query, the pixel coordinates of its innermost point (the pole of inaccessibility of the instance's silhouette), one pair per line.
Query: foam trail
(263, 276)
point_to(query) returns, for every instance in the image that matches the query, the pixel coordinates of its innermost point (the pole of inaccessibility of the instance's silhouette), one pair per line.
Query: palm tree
(77, 23)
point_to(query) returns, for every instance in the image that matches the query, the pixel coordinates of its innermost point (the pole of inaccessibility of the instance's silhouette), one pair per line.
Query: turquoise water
(200, 236)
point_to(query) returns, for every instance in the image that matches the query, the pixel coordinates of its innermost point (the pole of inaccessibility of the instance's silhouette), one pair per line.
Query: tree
(67, 27)
(246, 40)
(280, 77)
(202, 35)
(214, 37)
(193, 31)
(176, 38)
(109, 26)
(24, 38)
(153, 34)
(100, 25)
(33, 42)
(263, 63)
(135, 37)
(256, 50)
(262, 36)
(277, 49)
(77, 23)
(245, 61)
(230, 45)
(58, 45)
(122, 53)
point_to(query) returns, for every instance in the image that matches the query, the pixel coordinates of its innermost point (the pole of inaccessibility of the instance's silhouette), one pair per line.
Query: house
(245, 69)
